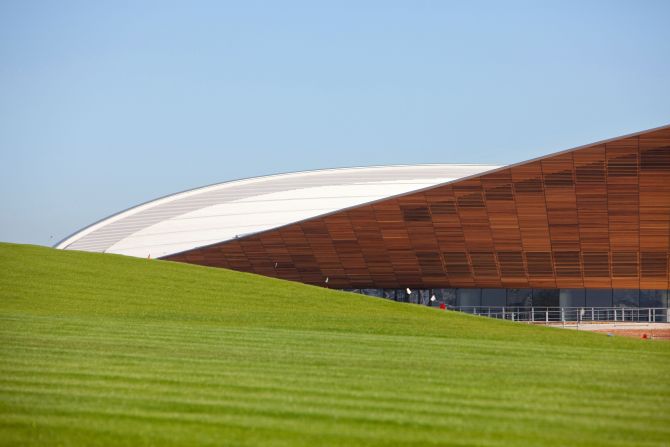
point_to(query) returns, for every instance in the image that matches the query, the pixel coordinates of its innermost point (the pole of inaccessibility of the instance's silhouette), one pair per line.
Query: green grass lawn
(110, 350)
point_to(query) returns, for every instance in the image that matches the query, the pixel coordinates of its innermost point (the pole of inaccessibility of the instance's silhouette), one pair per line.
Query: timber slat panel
(595, 217)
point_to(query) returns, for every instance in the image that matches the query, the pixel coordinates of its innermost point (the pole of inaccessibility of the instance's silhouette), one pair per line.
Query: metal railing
(569, 314)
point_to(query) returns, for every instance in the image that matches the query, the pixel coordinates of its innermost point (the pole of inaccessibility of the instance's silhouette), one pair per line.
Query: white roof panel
(224, 211)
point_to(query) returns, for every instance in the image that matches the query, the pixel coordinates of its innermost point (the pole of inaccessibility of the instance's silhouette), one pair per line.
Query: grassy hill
(110, 350)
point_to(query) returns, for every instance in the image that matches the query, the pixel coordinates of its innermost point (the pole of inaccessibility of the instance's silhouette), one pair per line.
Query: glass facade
(520, 297)
(598, 298)
(627, 298)
(572, 298)
(546, 297)
(468, 297)
(654, 298)
(494, 297)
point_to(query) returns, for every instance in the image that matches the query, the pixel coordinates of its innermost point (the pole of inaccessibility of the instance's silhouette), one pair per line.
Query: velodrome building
(584, 228)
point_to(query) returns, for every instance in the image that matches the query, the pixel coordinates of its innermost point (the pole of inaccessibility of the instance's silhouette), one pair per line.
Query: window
(546, 297)
(446, 296)
(379, 293)
(572, 298)
(599, 298)
(469, 297)
(653, 298)
(626, 298)
(519, 297)
(494, 297)
(389, 294)
(424, 297)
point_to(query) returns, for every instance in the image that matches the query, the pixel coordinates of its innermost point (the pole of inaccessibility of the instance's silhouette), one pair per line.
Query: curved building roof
(229, 210)
(596, 216)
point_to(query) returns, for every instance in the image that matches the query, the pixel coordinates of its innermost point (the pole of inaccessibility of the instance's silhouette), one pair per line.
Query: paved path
(656, 331)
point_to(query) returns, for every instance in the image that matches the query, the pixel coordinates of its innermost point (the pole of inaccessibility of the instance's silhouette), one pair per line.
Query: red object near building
(443, 306)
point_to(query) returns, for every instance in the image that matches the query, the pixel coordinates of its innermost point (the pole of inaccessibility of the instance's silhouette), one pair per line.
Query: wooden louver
(592, 217)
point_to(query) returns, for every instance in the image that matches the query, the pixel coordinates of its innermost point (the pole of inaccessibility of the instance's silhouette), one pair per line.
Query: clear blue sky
(107, 104)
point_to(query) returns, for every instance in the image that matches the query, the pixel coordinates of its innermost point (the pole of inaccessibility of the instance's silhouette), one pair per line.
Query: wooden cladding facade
(593, 217)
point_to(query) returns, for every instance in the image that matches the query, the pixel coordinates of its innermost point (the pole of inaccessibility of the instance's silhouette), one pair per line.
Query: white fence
(563, 314)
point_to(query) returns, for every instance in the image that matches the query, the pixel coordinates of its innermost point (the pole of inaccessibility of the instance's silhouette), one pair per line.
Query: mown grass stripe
(274, 396)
